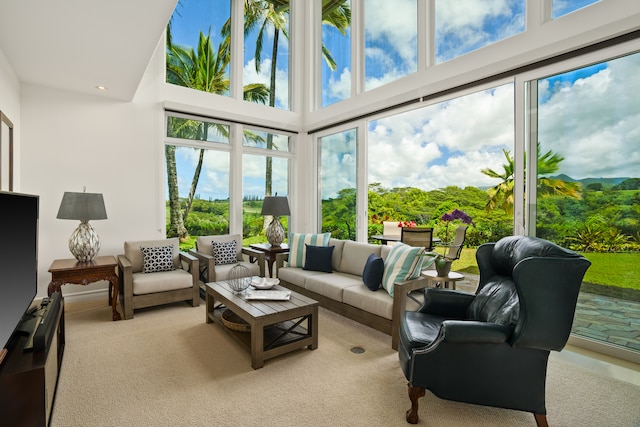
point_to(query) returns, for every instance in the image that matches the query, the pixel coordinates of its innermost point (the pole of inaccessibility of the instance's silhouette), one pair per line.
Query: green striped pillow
(403, 263)
(298, 250)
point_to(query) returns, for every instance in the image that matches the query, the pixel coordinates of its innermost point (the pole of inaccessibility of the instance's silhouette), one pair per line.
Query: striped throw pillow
(298, 250)
(403, 263)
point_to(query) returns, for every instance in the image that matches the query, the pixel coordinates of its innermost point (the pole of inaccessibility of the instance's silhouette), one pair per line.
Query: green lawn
(611, 274)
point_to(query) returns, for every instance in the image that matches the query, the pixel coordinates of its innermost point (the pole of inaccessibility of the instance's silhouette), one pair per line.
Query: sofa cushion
(355, 255)
(336, 257)
(148, 283)
(318, 258)
(298, 250)
(403, 263)
(373, 271)
(297, 276)
(134, 254)
(378, 302)
(332, 285)
(204, 244)
(225, 252)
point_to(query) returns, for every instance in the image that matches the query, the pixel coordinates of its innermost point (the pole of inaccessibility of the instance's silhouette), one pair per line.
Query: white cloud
(444, 144)
(463, 15)
(466, 25)
(593, 123)
(381, 24)
(250, 75)
(340, 88)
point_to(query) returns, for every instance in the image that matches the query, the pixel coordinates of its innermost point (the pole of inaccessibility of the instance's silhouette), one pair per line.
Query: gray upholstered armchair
(219, 254)
(491, 348)
(155, 272)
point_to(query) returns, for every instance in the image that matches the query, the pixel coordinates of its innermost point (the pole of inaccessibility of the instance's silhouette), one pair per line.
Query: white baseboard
(90, 295)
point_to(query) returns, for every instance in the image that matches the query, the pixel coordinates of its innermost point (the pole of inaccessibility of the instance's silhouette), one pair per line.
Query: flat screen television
(18, 259)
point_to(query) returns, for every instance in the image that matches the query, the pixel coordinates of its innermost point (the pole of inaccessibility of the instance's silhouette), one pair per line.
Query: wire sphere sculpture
(239, 278)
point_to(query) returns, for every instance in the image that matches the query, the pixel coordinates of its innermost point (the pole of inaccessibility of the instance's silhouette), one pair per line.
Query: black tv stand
(28, 380)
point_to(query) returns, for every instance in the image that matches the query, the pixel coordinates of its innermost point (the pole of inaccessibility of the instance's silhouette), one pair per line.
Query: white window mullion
(519, 145)
(426, 34)
(357, 47)
(235, 179)
(237, 50)
(362, 194)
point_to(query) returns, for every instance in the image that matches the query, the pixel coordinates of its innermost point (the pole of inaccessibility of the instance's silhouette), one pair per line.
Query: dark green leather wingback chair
(491, 348)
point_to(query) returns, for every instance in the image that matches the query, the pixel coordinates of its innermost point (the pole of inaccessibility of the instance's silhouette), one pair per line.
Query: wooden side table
(270, 253)
(452, 277)
(83, 273)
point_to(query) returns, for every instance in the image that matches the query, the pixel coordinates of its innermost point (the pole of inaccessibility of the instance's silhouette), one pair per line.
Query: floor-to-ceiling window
(265, 172)
(430, 161)
(588, 188)
(202, 158)
(338, 173)
(197, 161)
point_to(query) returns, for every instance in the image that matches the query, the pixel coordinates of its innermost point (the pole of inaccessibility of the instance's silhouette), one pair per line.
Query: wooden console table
(83, 273)
(270, 253)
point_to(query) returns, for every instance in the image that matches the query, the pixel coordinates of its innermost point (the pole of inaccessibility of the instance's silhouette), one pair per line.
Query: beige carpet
(167, 367)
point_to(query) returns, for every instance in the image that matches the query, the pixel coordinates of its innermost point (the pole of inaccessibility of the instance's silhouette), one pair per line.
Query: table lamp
(84, 243)
(275, 206)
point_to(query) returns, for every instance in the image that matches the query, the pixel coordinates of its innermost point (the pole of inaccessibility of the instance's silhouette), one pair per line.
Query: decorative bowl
(263, 282)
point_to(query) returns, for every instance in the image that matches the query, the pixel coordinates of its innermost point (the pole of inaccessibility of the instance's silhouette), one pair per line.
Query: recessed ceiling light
(102, 88)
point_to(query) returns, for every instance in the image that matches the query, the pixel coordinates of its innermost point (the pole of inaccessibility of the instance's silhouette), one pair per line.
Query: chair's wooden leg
(415, 393)
(541, 420)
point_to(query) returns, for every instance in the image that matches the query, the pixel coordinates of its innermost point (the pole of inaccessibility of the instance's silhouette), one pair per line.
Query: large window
(200, 50)
(338, 170)
(266, 52)
(199, 45)
(427, 162)
(202, 163)
(265, 172)
(197, 187)
(588, 188)
(336, 52)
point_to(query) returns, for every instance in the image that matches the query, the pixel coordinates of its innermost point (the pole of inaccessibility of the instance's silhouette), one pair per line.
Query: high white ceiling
(77, 45)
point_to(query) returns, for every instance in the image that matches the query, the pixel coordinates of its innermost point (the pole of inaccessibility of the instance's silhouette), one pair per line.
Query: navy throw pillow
(318, 258)
(373, 271)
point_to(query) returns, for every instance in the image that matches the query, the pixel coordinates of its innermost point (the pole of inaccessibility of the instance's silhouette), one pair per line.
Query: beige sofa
(344, 292)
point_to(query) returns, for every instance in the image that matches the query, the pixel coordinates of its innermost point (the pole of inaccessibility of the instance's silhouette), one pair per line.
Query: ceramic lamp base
(84, 243)
(275, 232)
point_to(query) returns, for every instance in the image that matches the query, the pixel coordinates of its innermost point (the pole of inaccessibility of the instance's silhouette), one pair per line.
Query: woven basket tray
(234, 322)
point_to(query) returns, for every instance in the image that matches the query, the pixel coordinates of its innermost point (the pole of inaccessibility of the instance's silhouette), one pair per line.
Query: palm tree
(501, 195)
(203, 70)
(274, 14)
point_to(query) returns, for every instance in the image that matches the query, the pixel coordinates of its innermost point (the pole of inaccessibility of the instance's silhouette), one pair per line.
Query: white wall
(10, 107)
(114, 148)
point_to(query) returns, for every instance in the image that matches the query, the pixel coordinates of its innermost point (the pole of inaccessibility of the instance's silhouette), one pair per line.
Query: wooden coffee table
(276, 327)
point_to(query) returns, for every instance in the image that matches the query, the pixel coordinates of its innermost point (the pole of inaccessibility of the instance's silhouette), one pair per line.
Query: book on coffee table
(278, 295)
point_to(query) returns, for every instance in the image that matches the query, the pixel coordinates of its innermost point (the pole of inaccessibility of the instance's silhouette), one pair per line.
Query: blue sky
(450, 143)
